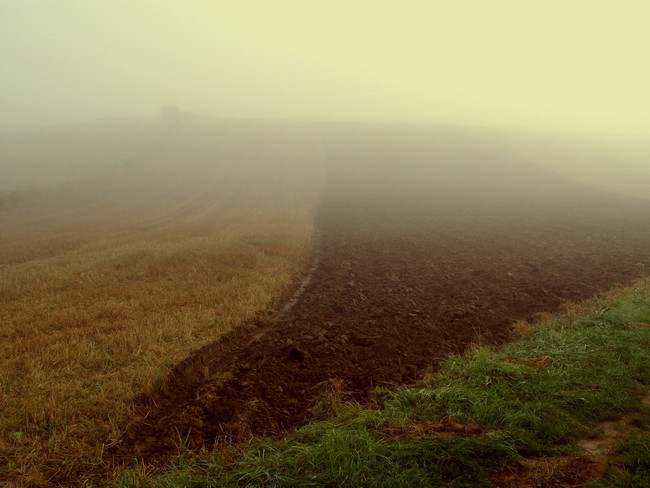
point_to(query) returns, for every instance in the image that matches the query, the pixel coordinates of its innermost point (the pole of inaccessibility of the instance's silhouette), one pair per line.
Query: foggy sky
(560, 65)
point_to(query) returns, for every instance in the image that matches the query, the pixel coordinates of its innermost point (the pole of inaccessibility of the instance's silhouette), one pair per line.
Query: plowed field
(405, 273)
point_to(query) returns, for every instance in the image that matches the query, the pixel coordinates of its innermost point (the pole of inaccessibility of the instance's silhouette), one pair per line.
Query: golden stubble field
(111, 273)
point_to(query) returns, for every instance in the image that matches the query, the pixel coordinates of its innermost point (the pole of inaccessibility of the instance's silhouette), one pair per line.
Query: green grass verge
(490, 407)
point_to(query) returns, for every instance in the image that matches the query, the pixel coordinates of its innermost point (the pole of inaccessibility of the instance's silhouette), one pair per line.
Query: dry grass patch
(522, 329)
(105, 286)
(83, 332)
(423, 429)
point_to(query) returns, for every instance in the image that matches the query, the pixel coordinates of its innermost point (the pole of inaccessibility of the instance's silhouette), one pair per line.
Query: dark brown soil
(556, 472)
(404, 278)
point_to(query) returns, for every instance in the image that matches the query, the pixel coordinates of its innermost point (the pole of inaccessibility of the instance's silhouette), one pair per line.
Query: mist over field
(178, 157)
(573, 73)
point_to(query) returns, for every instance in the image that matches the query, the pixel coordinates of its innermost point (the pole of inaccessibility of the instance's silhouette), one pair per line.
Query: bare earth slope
(429, 241)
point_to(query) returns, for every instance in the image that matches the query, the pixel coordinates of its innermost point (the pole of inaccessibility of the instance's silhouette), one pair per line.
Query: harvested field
(155, 249)
(428, 242)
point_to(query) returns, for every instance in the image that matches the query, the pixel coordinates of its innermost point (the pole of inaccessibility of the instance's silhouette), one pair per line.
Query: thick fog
(561, 85)
(575, 66)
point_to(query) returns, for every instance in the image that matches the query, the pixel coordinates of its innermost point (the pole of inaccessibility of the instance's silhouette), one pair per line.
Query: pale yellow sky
(559, 65)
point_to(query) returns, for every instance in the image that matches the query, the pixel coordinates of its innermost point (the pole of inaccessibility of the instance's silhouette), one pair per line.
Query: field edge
(455, 428)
